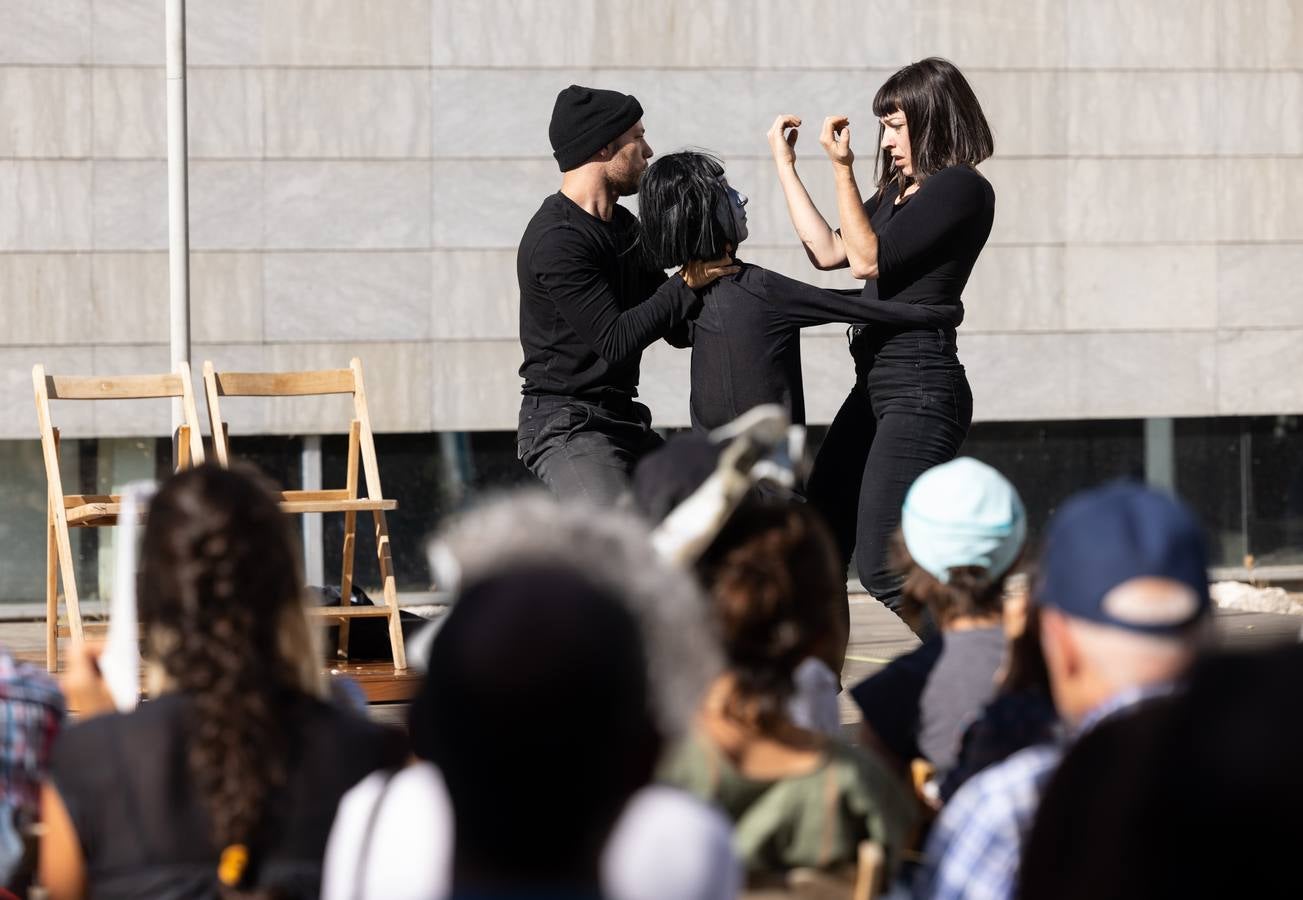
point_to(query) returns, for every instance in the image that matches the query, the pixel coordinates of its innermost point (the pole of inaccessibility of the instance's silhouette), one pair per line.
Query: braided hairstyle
(776, 592)
(221, 608)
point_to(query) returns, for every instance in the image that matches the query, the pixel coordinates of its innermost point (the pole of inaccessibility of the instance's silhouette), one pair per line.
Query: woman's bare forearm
(821, 243)
(859, 240)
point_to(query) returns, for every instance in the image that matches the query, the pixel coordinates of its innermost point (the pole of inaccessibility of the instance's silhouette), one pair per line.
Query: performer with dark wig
(914, 243)
(589, 306)
(746, 347)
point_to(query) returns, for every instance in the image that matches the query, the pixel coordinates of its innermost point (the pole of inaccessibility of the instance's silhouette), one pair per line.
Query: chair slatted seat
(65, 511)
(346, 500)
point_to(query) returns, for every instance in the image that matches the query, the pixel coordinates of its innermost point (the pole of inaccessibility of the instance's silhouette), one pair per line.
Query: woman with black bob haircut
(225, 782)
(746, 347)
(914, 243)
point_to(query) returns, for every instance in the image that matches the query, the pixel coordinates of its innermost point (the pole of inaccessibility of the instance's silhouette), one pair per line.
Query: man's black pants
(584, 448)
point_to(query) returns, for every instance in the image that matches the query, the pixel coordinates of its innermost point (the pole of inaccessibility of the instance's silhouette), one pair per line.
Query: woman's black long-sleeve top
(927, 247)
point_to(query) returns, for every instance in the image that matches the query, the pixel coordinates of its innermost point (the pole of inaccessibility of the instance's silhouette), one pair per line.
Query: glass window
(1209, 464)
(1050, 461)
(1274, 504)
(22, 518)
(410, 472)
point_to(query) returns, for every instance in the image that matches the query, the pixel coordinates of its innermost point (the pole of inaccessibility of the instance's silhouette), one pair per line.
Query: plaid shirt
(975, 846)
(31, 711)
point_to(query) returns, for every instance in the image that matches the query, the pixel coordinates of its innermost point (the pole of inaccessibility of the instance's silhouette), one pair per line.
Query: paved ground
(877, 637)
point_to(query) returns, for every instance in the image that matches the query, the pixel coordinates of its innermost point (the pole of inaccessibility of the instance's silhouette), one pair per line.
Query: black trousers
(910, 410)
(584, 448)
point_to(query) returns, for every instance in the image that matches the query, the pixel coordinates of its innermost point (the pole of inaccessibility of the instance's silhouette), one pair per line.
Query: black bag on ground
(368, 638)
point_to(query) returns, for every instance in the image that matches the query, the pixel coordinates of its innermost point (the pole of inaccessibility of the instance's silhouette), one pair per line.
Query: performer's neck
(590, 192)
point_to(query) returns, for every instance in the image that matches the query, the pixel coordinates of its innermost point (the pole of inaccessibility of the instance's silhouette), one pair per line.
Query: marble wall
(361, 173)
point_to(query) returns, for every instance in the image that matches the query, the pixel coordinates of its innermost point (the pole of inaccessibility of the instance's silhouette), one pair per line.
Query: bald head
(1089, 662)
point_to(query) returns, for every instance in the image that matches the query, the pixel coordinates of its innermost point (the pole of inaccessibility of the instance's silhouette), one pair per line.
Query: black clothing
(588, 304)
(144, 829)
(1010, 722)
(927, 247)
(746, 343)
(582, 448)
(889, 699)
(911, 405)
(897, 422)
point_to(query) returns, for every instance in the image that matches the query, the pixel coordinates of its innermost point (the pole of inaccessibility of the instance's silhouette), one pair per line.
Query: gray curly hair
(612, 548)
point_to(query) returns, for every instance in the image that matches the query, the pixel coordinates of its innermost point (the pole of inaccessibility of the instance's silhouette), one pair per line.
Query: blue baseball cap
(963, 513)
(1105, 537)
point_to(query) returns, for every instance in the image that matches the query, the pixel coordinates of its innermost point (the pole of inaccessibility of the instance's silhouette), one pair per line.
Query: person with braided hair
(224, 784)
(798, 798)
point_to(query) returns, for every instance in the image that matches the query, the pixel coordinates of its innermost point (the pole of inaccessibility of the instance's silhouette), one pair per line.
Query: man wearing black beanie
(590, 304)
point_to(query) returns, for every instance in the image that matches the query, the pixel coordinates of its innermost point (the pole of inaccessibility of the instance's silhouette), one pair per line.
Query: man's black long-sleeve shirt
(589, 305)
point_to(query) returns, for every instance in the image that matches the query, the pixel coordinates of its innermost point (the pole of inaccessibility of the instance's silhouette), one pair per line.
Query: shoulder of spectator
(1003, 794)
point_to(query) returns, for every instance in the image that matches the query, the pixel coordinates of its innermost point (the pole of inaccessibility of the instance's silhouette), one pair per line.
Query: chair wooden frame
(361, 442)
(64, 511)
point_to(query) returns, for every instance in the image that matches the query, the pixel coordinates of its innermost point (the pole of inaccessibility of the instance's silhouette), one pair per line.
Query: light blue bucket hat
(963, 513)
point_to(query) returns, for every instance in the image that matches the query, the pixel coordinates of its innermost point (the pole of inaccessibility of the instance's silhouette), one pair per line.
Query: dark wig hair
(681, 208)
(221, 610)
(777, 590)
(945, 121)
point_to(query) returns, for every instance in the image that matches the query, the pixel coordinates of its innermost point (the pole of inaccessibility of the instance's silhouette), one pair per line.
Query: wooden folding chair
(345, 500)
(64, 511)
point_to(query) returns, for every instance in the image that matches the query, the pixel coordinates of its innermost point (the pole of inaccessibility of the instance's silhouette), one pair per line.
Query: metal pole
(1160, 453)
(314, 563)
(178, 202)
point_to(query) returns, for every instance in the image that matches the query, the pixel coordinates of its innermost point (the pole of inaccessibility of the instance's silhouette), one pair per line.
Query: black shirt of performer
(927, 247)
(746, 342)
(589, 305)
(588, 308)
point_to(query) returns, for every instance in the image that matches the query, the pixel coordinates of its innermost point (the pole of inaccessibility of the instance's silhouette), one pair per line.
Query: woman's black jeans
(909, 410)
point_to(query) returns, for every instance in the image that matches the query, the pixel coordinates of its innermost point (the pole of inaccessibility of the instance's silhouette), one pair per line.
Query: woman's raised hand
(782, 138)
(836, 140)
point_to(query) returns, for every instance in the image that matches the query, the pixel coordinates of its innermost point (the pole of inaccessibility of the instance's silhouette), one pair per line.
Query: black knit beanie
(584, 120)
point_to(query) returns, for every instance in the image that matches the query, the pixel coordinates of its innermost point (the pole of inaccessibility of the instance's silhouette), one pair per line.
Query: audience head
(536, 710)
(1128, 813)
(963, 526)
(1123, 591)
(777, 595)
(613, 549)
(688, 211)
(668, 476)
(221, 613)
